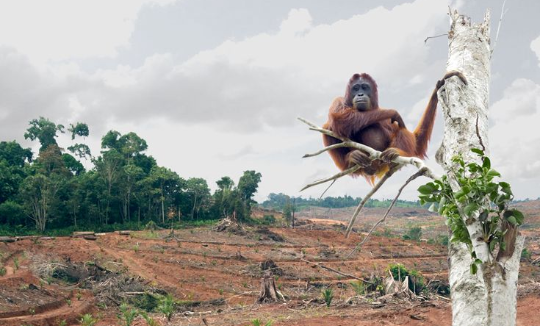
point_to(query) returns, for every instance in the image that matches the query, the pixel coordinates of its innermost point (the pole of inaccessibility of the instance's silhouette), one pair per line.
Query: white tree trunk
(489, 297)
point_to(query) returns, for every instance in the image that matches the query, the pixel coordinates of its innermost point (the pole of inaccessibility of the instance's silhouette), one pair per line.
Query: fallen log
(83, 234)
(8, 239)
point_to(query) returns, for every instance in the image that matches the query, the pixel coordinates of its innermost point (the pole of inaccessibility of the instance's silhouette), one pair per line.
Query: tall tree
(247, 187)
(43, 130)
(198, 194)
(13, 159)
(168, 183)
(40, 190)
(485, 251)
(109, 166)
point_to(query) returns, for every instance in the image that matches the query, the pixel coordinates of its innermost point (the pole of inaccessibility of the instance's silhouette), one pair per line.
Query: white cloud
(269, 79)
(519, 100)
(515, 119)
(299, 20)
(535, 46)
(64, 29)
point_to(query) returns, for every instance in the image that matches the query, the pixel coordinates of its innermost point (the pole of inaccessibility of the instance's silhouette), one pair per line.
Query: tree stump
(269, 292)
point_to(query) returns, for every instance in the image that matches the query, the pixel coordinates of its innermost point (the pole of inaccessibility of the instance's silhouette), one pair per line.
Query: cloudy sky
(215, 86)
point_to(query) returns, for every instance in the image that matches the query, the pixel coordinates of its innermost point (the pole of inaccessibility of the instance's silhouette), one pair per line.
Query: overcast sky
(215, 86)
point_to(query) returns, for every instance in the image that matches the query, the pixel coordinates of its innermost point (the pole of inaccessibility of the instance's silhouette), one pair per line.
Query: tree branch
(411, 178)
(503, 12)
(398, 162)
(386, 176)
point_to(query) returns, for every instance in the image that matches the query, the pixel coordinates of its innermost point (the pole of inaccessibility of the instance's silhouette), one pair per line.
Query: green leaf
(477, 151)
(469, 209)
(512, 220)
(432, 208)
(442, 204)
(492, 174)
(428, 188)
(473, 167)
(505, 187)
(483, 216)
(492, 245)
(520, 218)
(514, 216)
(474, 268)
(486, 164)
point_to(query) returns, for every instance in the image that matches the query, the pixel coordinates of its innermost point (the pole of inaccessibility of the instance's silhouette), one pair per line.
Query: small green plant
(63, 322)
(359, 287)
(136, 247)
(87, 320)
(78, 295)
(525, 254)
(258, 322)
(414, 233)
(16, 262)
(3, 271)
(166, 306)
(149, 320)
(220, 291)
(127, 314)
(32, 311)
(328, 295)
(68, 301)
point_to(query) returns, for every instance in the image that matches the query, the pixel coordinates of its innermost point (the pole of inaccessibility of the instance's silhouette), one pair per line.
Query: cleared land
(216, 276)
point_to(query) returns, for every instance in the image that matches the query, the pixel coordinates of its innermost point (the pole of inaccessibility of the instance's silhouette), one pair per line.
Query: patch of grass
(127, 314)
(166, 306)
(149, 320)
(525, 254)
(88, 320)
(328, 295)
(147, 302)
(258, 322)
(359, 287)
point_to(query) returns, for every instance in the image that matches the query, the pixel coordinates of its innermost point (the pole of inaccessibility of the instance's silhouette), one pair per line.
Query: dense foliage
(281, 202)
(123, 186)
(480, 198)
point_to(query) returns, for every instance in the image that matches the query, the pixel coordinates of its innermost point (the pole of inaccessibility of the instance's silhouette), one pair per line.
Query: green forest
(53, 193)
(125, 188)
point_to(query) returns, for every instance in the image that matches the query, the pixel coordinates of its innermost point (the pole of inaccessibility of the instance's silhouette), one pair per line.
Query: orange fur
(373, 127)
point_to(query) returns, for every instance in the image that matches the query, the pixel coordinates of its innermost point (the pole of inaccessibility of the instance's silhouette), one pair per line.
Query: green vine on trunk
(479, 198)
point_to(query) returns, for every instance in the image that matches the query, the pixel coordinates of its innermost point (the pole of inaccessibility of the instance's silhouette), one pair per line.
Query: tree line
(124, 185)
(282, 202)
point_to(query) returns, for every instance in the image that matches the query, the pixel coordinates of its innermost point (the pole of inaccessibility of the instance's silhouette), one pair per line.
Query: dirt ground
(216, 277)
